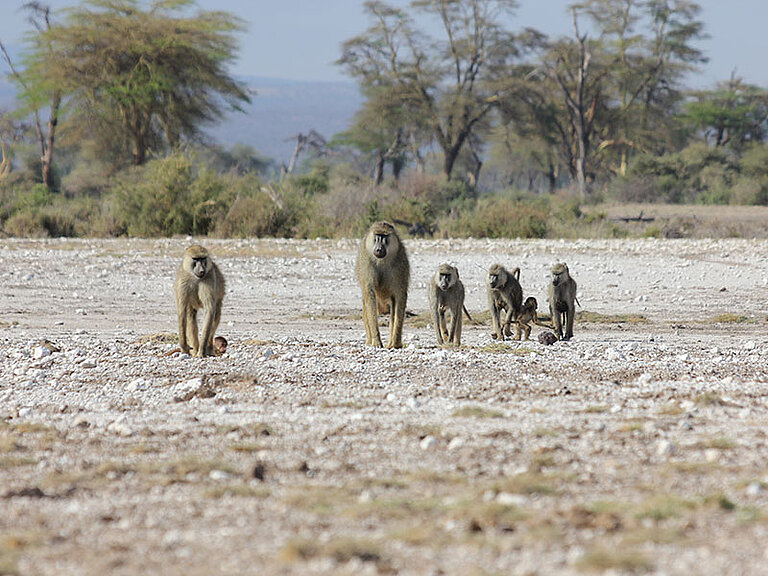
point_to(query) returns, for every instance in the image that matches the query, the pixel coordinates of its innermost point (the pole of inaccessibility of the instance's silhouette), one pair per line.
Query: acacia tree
(36, 90)
(734, 114)
(451, 81)
(649, 48)
(155, 74)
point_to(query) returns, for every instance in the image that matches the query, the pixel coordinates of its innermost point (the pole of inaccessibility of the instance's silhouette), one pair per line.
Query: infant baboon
(199, 284)
(220, 345)
(446, 293)
(562, 293)
(504, 293)
(527, 315)
(383, 273)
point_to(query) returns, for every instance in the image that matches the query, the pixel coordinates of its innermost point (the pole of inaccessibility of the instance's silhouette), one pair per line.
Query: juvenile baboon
(528, 313)
(383, 273)
(220, 345)
(446, 293)
(562, 293)
(504, 293)
(199, 285)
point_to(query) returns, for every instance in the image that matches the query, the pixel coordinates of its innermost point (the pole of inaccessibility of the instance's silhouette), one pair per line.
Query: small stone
(39, 352)
(711, 455)
(259, 471)
(665, 448)
(547, 338)
(507, 499)
(754, 489)
(88, 363)
(413, 403)
(120, 428)
(81, 422)
(219, 475)
(456, 443)
(268, 353)
(750, 345)
(428, 442)
(188, 389)
(645, 378)
(26, 411)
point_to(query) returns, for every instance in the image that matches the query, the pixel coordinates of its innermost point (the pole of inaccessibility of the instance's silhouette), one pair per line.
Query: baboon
(220, 345)
(562, 293)
(383, 273)
(199, 284)
(504, 293)
(446, 293)
(527, 315)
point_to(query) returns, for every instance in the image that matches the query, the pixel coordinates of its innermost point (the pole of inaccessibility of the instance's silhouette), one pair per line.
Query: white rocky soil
(641, 446)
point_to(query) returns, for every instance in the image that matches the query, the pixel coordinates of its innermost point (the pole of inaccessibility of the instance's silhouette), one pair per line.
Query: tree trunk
(378, 170)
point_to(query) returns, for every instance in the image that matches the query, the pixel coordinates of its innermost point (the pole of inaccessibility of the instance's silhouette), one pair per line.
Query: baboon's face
(530, 303)
(446, 276)
(380, 245)
(497, 277)
(200, 266)
(559, 274)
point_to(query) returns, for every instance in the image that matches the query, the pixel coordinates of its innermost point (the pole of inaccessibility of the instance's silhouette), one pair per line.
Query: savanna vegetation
(472, 125)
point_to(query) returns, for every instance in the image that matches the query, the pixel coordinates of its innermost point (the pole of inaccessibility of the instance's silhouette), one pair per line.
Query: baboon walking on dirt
(383, 273)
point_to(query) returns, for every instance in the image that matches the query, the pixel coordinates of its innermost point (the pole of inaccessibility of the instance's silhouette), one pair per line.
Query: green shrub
(499, 217)
(167, 197)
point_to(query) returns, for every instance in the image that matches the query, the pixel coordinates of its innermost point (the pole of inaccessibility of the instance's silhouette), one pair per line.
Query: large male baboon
(562, 294)
(504, 293)
(383, 273)
(199, 285)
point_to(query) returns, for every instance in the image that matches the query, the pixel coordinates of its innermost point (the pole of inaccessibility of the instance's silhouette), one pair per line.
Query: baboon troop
(504, 294)
(199, 285)
(383, 273)
(562, 294)
(446, 294)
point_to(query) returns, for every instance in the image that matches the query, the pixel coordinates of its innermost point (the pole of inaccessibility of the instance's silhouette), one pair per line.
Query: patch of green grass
(729, 318)
(601, 559)
(340, 549)
(476, 412)
(526, 483)
(159, 338)
(246, 447)
(664, 506)
(14, 461)
(598, 318)
(545, 432)
(504, 348)
(709, 398)
(596, 409)
(237, 490)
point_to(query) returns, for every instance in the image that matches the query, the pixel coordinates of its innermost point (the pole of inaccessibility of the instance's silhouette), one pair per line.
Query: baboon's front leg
(183, 345)
(370, 319)
(396, 324)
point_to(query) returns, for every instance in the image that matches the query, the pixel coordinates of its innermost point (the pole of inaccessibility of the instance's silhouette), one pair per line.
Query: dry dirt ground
(641, 446)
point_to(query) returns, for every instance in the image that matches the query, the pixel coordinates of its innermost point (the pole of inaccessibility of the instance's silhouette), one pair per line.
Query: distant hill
(283, 108)
(279, 110)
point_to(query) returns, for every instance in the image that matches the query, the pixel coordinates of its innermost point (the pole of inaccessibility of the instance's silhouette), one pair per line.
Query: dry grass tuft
(476, 412)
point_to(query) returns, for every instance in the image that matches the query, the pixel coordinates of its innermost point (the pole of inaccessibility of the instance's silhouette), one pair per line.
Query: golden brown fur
(199, 285)
(446, 293)
(528, 313)
(383, 273)
(504, 293)
(562, 294)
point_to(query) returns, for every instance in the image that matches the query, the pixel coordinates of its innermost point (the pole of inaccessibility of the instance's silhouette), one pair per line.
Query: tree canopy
(154, 74)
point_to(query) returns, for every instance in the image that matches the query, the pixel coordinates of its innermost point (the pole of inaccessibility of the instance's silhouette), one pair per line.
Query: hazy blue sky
(300, 39)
